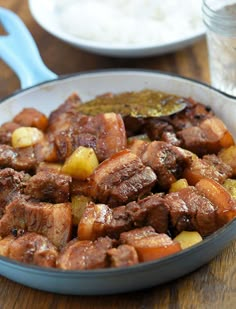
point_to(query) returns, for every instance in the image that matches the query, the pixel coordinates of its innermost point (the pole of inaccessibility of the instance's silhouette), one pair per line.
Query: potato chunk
(188, 238)
(81, 163)
(228, 156)
(230, 186)
(26, 136)
(78, 205)
(178, 185)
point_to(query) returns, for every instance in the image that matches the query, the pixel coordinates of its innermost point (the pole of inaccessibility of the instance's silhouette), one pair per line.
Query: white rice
(130, 22)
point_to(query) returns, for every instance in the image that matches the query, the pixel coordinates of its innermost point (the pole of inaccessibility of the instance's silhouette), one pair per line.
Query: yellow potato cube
(78, 205)
(81, 163)
(26, 136)
(230, 186)
(188, 238)
(178, 185)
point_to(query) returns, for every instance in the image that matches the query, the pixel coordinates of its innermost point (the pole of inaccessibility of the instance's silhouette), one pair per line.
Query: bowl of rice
(122, 28)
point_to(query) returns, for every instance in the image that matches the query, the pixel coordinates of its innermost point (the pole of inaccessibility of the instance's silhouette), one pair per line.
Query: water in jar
(222, 54)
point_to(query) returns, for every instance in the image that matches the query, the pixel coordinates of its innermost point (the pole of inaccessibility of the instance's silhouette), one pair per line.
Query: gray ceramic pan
(46, 96)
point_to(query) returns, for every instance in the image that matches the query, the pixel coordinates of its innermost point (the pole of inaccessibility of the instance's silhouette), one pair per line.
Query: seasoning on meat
(49, 187)
(166, 160)
(34, 249)
(51, 220)
(120, 179)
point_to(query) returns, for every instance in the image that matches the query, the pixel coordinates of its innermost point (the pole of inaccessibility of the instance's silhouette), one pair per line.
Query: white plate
(46, 97)
(45, 13)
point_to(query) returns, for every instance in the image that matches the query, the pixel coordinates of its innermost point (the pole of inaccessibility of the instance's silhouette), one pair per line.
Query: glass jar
(219, 17)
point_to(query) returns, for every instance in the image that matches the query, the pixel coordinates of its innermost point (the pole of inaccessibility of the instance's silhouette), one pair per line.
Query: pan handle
(19, 50)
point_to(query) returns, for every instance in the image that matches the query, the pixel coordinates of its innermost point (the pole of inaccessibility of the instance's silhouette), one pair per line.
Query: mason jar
(219, 16)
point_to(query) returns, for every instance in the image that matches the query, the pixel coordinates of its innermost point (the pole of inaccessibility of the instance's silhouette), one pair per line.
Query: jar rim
(212, 13)
(218, 20)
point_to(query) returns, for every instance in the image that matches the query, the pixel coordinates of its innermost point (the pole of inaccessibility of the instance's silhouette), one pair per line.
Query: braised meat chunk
(31, 117)
(105, 133)
(49, 187)
(150, 245)
(124, 255)
(84, 254)
(166, 160)
(51, 220)
(12, 183)
(21, 159)
(120, 179)
(210, 166)
(32, 248)
(209, 137)
(6, 131)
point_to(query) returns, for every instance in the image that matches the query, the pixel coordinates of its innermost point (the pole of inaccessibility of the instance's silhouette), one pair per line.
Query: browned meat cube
(224, 203)
(6, 131)
(18, 159)
(111, 135)
(209, 137)
(130, 236)
(166, 160)
(190, 210)
(12, 183)
(93, 222)
(31, 117)
(152, 211)
(32, 248)
(105, 133)
(123, 256)
(210, 166)
(49, 187)
(85, 254)
(120, 179)
(150, 245)
(65, 115)
(51, 220)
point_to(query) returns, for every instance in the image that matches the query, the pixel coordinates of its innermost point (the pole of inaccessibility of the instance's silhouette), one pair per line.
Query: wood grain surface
(212, 286)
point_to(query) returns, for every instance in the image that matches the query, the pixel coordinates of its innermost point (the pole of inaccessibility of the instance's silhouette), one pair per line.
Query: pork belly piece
(65, 115)
(225, 204)
(138, 233)
(120, 179)
(111, 135)
(19, 159)
(93, 222)
(49, 187)
(210, 166)
(192, 115)
(51, 220)
(84, 254)
(105, 133)
(189, 210)
(31, 117)
(12, 183)
(122, 256)
(34, 249)
(209, 137)
(100, 220)
(166, 160)
(150, 245)
(6, 131)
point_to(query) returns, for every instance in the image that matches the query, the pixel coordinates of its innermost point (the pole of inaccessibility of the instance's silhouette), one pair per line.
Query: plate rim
(115, 49)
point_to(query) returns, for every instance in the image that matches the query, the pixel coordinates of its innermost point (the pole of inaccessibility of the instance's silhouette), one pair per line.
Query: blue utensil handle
(19, 50)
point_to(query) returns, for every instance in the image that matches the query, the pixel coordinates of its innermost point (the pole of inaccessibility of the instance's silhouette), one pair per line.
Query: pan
(43, 90)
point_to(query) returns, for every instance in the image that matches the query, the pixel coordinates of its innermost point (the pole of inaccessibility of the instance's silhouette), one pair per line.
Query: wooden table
(212, 286)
